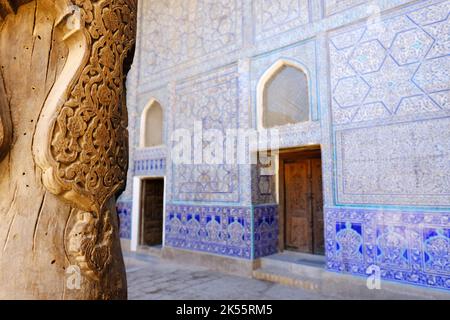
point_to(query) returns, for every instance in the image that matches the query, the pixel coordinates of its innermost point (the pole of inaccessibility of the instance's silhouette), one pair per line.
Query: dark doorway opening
(302, 201)
(152, 211)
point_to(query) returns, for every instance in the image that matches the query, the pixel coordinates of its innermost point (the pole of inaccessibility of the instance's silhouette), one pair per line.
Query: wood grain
(46, 237)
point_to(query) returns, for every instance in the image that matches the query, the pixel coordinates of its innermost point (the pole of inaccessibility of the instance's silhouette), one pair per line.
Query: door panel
(317, 207)
(304, 222)
(298, 214)
(152, 212)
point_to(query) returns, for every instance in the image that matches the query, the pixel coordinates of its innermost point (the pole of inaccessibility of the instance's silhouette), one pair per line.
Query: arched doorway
(284, 100)
(152, 125)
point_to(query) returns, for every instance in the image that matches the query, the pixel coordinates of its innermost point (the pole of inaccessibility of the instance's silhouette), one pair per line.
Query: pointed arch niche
(151, 132)
(283, 95)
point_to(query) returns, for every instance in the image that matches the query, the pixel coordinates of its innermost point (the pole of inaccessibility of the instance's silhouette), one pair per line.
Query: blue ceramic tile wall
(378, 79)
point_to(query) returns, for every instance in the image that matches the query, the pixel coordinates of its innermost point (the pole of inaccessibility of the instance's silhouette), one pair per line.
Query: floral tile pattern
(410, 247)
(390, 87)
(275, 16)
(219, 230)
(390, 62)
(212, 101)
(124, 213)
(209, 28)
(265, 230)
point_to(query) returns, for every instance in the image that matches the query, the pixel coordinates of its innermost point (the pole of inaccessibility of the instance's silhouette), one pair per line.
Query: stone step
(153, 250)
(284, 277)
(309, 273)
(308, 266)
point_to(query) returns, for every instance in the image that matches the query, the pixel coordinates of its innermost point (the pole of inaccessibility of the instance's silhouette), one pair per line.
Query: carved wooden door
(304, 205)
(298, 206)
(152, 212)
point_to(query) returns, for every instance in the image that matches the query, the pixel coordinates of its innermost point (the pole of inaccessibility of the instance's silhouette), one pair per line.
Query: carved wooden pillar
(63, 146)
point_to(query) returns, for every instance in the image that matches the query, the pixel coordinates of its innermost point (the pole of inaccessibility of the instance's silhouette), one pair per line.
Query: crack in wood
(38, 218)
(12, 220)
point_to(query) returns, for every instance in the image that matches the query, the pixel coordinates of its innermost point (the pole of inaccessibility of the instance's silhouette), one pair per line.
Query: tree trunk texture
(63, 146)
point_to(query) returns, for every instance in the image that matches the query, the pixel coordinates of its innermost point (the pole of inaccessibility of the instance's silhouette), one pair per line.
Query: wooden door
(152, 212)
(317, 207)
(303, 204)
(298, 207)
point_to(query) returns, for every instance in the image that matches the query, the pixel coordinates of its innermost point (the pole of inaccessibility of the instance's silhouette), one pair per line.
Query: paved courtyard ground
(150, 278)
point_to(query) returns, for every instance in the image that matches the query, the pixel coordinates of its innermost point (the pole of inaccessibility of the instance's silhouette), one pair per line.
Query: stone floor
(150, 278)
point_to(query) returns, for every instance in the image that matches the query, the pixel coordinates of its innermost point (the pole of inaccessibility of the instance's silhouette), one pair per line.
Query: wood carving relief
(64, 140)
(83, 153)
(89, 243)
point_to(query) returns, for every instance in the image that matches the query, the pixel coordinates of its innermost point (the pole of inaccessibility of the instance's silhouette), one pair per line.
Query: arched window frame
(143, 128)
(268, 75)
